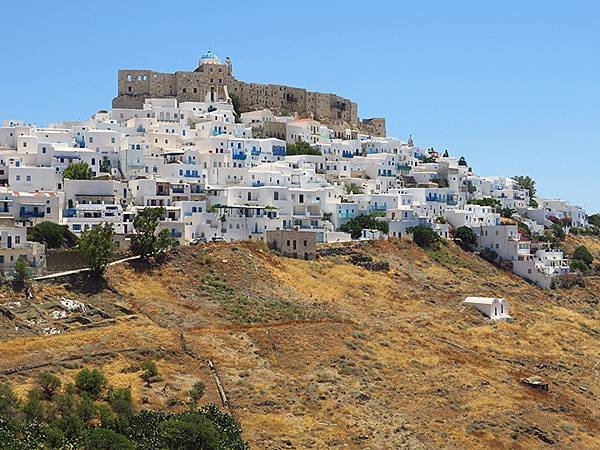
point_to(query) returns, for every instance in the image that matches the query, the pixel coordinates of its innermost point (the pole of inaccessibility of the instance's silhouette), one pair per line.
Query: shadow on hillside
(88, 283)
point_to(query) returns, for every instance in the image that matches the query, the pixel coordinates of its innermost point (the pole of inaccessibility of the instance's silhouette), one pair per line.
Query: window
(28, 177)
(17, 239)
(18, 177)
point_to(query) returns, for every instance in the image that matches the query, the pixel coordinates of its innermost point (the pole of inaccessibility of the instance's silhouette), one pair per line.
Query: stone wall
(61, 260)
(137, 85)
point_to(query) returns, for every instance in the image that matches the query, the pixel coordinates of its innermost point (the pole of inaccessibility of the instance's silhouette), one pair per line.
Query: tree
(97, 247)
(105, 165)
(466, 236)
(49, 384)
(441, 182)
(78, 171)
(594, 219)
(190, 432)
(424, 237)
(147, 242)
(9, 402)
(33, 407)
(356, 225)
(485, 201)
(301, 148)
(21, 269)
(235, 101)
(90, 381)
(86, 408)
(353, 188)
(121, 401)
(197, 391)
(103, 439)
(559, 232)
(48, 233)
(526, 182)
(507, 212)
(582, 254)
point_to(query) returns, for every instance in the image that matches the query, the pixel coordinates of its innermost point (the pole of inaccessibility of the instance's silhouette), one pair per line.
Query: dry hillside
(327, 354)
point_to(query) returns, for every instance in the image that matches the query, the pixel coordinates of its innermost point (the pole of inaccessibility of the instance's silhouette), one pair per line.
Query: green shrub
(577, 265)
(488, 254)
(424, 237)
(9, 402)
(49, 384)
(486, 201)
(197, 391)
(86, 408)
(582, 254)
(189, 432)
(362, 222)
(102, 439)
(21, 269)
(466, 236)
(51, 234)
(33, 407)
(150, 370)
(121, 401)
(90, 381)
(78, 171)
(301, 148)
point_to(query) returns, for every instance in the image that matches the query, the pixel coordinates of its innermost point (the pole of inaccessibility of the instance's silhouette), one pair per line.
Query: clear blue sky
(513, 86)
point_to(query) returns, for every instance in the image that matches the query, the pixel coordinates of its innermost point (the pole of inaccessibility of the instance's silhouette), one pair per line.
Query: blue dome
(210, 57)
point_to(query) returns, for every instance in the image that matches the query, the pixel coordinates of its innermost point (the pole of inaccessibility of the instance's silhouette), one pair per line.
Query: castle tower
(229, 65)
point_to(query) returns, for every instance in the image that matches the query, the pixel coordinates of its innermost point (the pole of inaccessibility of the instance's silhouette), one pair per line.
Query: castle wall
(137, 85)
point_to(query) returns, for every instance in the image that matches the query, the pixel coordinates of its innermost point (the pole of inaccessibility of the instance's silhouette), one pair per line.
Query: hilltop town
(230, 161)
(327, 285)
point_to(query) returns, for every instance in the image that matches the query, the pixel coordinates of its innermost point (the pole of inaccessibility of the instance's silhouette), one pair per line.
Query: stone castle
(213, 81)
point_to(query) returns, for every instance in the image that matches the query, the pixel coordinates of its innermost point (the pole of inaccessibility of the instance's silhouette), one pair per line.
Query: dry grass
(324, 354)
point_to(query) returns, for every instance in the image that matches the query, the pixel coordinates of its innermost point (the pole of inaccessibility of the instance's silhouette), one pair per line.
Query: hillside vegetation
(327, 354)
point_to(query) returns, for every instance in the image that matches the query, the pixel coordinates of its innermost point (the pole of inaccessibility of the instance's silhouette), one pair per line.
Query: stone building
(295, 243)
(214, 80)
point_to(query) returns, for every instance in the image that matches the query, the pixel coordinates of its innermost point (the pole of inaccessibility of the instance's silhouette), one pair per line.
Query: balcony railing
(32, 214)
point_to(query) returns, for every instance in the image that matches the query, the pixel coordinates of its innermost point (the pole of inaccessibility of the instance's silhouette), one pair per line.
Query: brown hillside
(326, 354)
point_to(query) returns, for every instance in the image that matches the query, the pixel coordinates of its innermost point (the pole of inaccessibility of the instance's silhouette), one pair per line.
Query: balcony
(32, 213)
(69, 212)
(278, 150)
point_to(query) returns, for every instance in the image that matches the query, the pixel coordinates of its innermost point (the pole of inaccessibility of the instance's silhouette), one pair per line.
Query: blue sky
(513, 86)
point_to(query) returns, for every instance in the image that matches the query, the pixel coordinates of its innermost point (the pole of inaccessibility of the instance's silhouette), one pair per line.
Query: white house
(493, 307)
